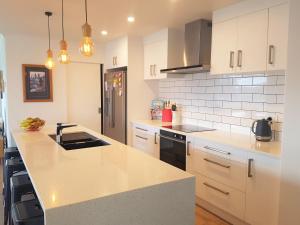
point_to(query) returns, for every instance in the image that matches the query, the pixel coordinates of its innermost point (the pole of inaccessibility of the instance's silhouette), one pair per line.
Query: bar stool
(12, 166)
(9, 153)
(27, 213)
(20, 185)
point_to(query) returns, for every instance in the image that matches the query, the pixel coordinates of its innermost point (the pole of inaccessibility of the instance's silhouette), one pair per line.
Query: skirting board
(219, 212)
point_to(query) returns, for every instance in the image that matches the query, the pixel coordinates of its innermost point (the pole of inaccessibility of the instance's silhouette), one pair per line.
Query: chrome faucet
(59, 129)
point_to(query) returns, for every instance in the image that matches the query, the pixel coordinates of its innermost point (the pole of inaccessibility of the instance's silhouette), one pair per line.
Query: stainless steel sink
(79, 140)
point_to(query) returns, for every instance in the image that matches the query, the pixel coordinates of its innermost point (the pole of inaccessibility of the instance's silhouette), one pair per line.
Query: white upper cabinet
(224, 44)
(252, 42)
(277, 38)
(162, 50)
(116, 53)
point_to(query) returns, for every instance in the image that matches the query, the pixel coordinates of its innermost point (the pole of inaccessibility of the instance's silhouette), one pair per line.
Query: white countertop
(63, 177)
(240, 141)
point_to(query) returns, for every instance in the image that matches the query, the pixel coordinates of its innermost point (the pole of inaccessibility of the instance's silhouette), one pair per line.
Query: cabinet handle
(151, 73)
(250, 163)
(216, 163)
(138, 128)
(217, 150)
(231, 63)
(155, 140)
(216, 189)
(116, 60)
(154, 70)
(271, 54)
(188, 148)
(240, 58)
(138, 136)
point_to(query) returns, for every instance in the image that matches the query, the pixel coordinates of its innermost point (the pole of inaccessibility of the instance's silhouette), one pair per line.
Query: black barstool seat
(27, 213)
(12, 166)
(20, 185)
(11, 152)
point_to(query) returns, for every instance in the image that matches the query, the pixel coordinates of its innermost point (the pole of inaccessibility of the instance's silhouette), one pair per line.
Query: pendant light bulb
(49, 61)
(63, 56)
(49, 64)
(86, 45)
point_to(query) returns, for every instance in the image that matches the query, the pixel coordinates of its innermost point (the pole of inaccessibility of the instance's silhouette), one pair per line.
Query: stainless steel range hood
(197, 49)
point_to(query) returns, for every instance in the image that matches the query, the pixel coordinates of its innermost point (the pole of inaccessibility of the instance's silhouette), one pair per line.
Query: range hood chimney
(197, 48)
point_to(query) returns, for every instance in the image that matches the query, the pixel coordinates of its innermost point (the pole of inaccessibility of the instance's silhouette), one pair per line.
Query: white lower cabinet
(146, 139)
(263, 187)
(243, 184)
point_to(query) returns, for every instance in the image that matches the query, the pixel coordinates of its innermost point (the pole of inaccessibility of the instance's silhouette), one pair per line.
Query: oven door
(173, 151)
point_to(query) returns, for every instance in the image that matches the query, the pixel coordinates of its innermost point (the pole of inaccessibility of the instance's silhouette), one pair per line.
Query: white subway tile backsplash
(242, 97)
(231, 120)
(224, 97)
(243, 81)
(264, 98)
(274, 90)
(232, 105)
(252, 106)
(232, 89)
(252, 89)
(275, 108)
(227, 102)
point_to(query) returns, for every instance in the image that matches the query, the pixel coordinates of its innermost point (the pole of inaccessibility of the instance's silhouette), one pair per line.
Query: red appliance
(167, 115)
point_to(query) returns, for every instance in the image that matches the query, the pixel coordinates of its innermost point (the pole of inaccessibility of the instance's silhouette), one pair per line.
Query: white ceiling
(27, 16)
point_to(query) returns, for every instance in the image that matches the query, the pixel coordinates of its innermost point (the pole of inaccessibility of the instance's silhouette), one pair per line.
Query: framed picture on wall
(37, 83)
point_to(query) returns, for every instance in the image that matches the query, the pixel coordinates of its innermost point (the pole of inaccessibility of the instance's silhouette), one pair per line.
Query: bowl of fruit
(32, 124)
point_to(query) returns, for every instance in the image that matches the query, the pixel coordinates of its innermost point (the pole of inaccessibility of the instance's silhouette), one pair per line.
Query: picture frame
(37, 83)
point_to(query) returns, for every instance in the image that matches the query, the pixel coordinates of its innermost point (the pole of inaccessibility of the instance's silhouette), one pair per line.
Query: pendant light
(49, 61)
(86, 44)
(63, 56)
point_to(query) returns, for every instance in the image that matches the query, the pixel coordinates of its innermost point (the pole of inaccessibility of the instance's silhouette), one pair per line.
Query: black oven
(173, 149)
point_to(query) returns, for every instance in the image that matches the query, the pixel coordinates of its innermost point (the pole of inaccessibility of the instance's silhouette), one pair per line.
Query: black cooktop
(188, 128)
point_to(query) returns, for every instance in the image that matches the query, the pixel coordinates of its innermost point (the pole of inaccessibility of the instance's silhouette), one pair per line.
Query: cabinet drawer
(221, 196)
(221, 169)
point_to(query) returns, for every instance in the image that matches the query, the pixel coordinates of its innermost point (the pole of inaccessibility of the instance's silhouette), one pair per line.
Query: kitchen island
(107, 185)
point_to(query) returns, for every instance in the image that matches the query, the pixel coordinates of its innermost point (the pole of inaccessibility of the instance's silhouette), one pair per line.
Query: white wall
(23, 49)
(290, 185)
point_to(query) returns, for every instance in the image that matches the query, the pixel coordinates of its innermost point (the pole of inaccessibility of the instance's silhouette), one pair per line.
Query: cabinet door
(116, 53)
(263, 186)
(277, 38)
(156, 58)
(224, 44)
(252, 42)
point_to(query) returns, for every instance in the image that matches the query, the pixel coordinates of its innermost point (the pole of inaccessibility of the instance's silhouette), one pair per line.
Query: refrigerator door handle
(113, 107)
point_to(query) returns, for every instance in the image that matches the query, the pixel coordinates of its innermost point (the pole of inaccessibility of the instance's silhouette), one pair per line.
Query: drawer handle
(250, 163)
(138, 128)
(216, 189)
(188, 148)
(216, 163)
(217, 150)
(155, 138)
(141, 137)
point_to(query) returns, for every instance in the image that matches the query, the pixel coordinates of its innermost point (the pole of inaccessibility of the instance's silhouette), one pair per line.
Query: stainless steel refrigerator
(114, 118)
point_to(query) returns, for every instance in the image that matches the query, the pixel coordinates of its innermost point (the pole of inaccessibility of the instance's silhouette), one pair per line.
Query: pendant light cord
(86, 13)
(62, 19)
(49, 35)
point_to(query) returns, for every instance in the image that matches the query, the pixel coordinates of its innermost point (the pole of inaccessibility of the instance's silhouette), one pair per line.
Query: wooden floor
(203, 217)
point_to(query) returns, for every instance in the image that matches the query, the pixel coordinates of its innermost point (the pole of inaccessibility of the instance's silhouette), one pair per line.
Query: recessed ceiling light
(104, 32)
(131, 19)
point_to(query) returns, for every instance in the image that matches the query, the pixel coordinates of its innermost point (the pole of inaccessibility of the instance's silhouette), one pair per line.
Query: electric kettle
(262, 129)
